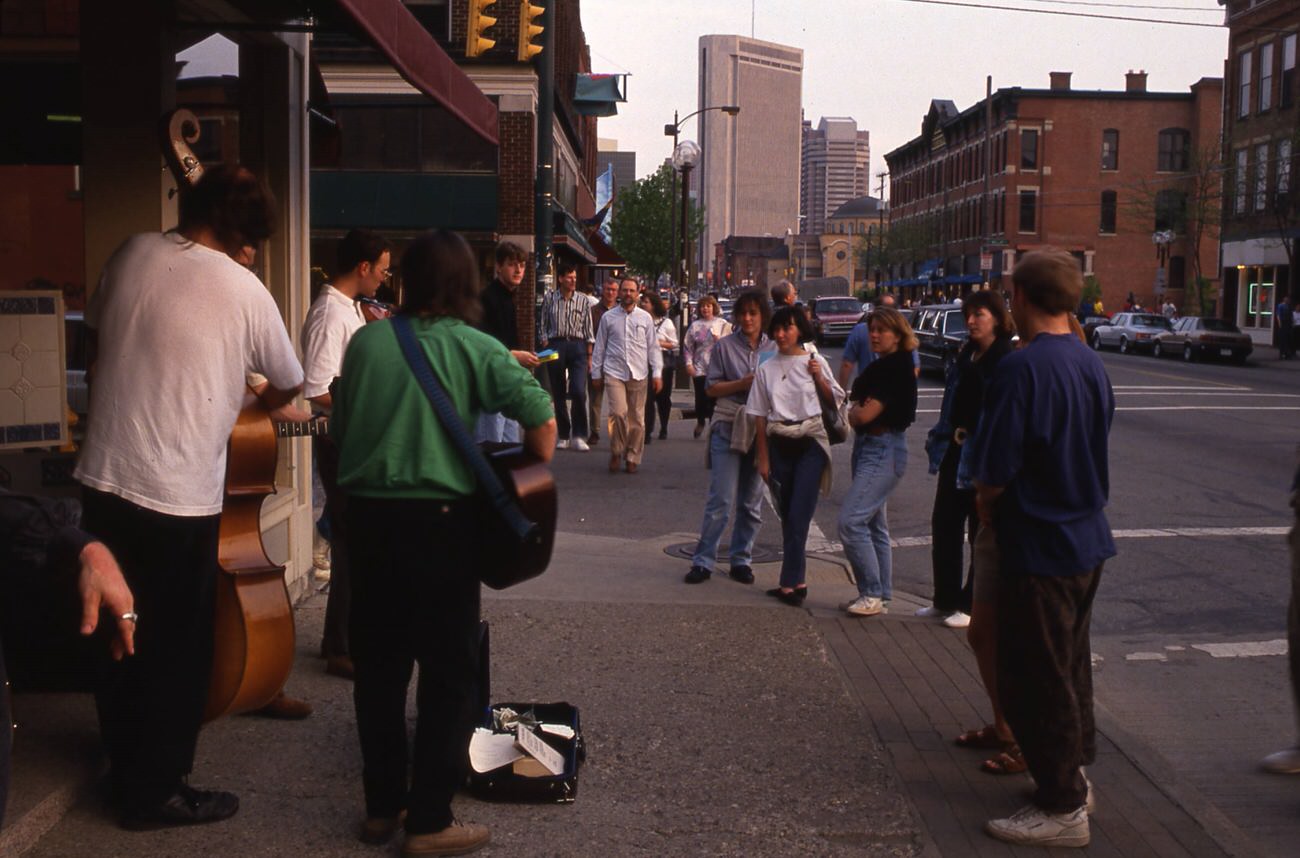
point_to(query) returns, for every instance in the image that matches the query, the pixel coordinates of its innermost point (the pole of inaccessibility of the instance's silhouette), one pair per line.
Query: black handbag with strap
(515, 487)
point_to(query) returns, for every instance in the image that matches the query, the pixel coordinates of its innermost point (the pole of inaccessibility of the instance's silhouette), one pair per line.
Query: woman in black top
(991, 328)
(882, 406)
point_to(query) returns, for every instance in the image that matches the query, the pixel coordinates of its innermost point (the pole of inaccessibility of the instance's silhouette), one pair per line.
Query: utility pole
(880, 229)
(545, 189)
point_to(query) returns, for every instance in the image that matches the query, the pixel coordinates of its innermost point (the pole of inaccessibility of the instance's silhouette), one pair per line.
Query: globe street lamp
(685, 156)
(1161, 238)
(672, 131)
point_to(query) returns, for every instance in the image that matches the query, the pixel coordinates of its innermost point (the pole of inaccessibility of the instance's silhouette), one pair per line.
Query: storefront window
(1259, 304)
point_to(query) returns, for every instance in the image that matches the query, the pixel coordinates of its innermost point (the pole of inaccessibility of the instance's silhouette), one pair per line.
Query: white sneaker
(562, 444)
(957, 620)
(865, 606)
(1033, 826)
(930, 612)
(1286, 762)
(581, 445)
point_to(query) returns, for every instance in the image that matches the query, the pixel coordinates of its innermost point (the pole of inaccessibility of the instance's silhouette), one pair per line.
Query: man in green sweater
(412, 531)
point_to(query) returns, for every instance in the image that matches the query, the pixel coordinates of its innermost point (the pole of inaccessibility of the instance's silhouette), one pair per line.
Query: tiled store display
(32, 380)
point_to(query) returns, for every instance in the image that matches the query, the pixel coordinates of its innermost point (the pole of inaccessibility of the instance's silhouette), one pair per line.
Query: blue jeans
(569, 374)
(732, 478)
(796, 468)
(878, 464)
(498, 428)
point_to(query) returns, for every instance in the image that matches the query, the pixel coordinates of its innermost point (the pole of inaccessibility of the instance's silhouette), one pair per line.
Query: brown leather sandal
(1009, 762)
(985, 738)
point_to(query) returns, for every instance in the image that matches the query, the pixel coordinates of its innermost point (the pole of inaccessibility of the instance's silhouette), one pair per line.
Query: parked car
(833, 318)
(1091, 323)
(1130, 332)
(1204, 337)
(940, 333)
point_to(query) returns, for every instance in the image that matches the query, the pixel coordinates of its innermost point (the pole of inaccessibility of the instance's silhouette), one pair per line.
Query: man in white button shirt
(335, 315)
(624, 362)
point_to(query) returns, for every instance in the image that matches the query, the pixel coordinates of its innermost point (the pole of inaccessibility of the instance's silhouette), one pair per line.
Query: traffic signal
(476, 43)
(529, 29)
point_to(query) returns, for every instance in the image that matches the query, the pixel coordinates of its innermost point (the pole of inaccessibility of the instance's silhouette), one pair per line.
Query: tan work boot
(459, 838)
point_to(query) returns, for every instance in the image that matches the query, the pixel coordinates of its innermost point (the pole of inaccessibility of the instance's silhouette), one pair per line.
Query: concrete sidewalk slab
(918, 684)
(713, 728)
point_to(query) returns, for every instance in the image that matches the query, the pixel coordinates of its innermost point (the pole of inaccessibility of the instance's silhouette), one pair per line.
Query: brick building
(402, 165)
(1096, 173)
(1261, 129)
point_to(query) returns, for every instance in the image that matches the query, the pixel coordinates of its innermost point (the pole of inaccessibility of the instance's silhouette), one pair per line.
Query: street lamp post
(672, 131)
(685, 156)
(1161, 239)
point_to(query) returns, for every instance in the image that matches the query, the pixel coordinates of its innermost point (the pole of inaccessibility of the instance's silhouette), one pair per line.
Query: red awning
(419, 59)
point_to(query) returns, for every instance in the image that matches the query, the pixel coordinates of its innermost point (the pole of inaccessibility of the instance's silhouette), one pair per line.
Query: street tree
(641, 229)
(1191, 206)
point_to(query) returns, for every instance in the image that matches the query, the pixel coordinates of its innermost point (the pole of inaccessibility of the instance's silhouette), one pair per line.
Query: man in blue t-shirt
(1042, 480)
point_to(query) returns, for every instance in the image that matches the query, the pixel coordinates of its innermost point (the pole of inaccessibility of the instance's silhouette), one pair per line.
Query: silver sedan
(1130, 332)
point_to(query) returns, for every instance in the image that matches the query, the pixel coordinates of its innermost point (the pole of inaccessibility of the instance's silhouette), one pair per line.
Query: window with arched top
(1174, 144)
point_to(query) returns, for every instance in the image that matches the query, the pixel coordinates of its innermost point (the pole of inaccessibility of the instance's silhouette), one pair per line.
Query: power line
(1062, 13)
(1204, 10)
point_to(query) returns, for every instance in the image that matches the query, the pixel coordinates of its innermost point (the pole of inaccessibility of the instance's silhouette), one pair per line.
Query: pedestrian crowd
(1020, 451)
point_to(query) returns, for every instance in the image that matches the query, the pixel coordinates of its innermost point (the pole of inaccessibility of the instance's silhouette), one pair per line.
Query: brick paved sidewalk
(918, 685)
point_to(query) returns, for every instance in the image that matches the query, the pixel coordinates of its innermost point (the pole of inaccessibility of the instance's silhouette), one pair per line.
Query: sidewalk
(719, 722)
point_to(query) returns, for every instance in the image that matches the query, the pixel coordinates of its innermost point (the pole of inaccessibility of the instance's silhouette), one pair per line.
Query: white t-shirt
(783, 389)
(180, 327)
(331, 321)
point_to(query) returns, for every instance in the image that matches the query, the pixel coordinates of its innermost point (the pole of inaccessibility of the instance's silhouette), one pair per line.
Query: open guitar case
(503, 784)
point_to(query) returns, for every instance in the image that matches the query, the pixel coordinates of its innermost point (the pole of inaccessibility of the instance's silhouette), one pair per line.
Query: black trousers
(952, 523)
(414, 601)
(1045, 680)
(334, 640)
(703, 402)
(151, 704)
(661, 401)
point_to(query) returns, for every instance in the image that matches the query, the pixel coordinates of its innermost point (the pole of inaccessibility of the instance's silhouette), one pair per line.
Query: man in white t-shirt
(364, 260)
(180, 325)
(625, 361)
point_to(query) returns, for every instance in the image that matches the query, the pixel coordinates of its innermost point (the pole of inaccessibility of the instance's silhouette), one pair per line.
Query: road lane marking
(1182, 378)
(1207, 408)
(1243, 649)
(1214, 393)
(1130, 533)
(1162, 387)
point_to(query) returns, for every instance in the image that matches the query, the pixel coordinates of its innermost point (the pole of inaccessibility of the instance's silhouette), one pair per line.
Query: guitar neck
(319, 426)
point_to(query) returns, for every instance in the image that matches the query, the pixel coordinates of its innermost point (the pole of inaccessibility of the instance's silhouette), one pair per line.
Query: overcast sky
(882, 61)
(878, 61)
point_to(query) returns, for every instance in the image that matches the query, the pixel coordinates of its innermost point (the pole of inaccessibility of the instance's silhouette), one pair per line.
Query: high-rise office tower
(749, 165)
(836, 169)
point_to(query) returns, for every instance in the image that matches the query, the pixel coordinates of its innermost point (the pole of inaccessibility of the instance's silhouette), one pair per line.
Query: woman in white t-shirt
(793, 453)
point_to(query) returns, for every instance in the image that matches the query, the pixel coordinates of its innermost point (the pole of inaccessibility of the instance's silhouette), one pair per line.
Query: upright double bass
(254, 632)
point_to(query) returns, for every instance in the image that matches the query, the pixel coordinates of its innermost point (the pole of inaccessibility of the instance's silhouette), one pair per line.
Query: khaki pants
(595, 398)
(626, 417)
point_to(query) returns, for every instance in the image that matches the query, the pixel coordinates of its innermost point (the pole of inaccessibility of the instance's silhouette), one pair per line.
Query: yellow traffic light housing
(529, 30)
(476, 43)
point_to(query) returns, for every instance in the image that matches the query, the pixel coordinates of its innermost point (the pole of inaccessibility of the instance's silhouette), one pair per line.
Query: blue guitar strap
(455, 428)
